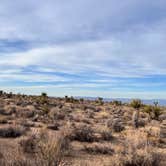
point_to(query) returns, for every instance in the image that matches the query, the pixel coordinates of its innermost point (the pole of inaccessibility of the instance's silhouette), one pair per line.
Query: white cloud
(96, 41)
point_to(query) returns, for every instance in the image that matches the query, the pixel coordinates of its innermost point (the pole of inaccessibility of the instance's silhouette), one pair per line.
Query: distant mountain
(162, 102)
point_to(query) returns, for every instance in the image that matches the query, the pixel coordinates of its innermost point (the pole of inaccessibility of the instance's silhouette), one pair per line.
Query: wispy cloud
(85, 46)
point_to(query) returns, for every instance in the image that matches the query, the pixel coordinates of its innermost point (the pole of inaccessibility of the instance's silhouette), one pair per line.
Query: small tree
(100, 100)
(43, 98)
(43, 94)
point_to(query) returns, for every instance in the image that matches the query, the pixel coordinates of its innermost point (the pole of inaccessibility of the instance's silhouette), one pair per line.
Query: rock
(162, 117)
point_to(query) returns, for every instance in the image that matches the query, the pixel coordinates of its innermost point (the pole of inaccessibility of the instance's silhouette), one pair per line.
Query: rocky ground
(45, 131)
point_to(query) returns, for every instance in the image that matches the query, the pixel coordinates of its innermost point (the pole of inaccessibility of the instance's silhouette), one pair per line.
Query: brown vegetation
(45, 131)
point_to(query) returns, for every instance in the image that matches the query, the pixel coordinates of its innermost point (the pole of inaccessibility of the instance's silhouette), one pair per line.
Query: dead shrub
(106, 134)
(47, 149)
(53, 149)
(116, 125)
(98, 148)
(29, 145)
(138, 150)
(83, 133)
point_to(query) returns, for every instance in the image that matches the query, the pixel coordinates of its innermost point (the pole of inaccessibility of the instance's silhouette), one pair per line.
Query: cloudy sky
(108, 48)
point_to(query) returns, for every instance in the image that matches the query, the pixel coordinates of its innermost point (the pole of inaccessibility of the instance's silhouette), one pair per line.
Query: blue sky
(108, 48)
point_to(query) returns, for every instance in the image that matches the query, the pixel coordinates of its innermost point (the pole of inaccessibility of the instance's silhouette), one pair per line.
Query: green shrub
(153, 111)
(116, 102)
(148, 109)
(136, 103)
(157, 111)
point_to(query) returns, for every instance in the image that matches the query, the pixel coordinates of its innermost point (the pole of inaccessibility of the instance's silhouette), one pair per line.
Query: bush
(29, 145)
(98, 148)
(47, 150)
(138, 151)
(148, 109)
(157, 112)
(53, 149)
(83, 133)
(153, 111)
(116, 102)
(136, 103)
(116, 125)
(12, 132)
(106, 134)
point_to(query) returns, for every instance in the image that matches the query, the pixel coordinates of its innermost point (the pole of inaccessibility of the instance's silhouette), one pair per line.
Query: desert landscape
(48, 131)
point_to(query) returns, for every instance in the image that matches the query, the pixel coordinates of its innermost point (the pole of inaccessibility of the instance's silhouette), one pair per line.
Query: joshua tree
(156, 103)
(136, 104)
(43, 98)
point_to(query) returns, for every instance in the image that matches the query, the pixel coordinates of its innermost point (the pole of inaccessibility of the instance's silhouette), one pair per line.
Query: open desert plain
(45, 131)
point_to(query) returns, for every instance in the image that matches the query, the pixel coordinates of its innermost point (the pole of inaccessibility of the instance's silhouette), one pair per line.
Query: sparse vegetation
(48, 131)
(136, 103)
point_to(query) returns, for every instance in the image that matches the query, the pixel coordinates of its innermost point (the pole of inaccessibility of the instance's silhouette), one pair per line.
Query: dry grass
(77, 133)
(99, 148)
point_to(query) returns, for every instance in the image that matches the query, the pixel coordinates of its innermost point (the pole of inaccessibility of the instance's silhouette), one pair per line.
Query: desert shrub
(81, 100)
(43, 99)
(115, 124)
(57, 114)
(53, 149)
(116, 102)
(145, 159)
(157, 112)
(106, 134)
(100, 100)
(153, 111)
(1, 92)
(12, 131)
(29, 145)
(136, 103)
(83, 133)
(98, 148)
(43, 94)
(25, 112)
(138, 151)
(47, 149)
(148, 109)
(45, 109)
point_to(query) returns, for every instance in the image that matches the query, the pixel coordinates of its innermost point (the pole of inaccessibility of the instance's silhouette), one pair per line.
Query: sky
(107, 48)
